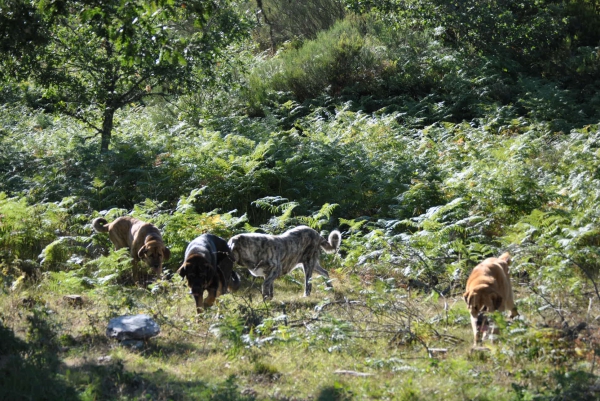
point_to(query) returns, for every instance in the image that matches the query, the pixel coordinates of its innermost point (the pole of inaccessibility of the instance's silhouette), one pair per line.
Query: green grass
(289, 348)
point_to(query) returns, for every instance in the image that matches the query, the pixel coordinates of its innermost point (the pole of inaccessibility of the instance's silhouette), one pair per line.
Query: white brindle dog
(272, 256)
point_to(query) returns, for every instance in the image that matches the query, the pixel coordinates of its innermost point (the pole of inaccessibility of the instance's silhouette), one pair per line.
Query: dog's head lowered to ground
(199, 273)
(208, 266)
(154, 253)
(143, 239)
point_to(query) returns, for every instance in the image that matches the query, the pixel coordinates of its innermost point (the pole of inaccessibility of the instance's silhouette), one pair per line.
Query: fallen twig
(353, 373)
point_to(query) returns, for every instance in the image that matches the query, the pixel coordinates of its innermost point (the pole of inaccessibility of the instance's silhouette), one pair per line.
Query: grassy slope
(371, 323)
(208, 357)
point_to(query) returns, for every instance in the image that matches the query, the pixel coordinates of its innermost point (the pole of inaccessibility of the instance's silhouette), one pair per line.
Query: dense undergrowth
(431, 144)
(418, 209)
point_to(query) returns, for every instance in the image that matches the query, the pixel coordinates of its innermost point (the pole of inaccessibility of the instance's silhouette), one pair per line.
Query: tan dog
(143, 240)
(489, 290)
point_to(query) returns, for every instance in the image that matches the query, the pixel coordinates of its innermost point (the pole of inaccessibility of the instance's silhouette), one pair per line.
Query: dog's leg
(319, 269)
(510, 303)
(221, 286)
(308, 271)
(114, 237)
(484, 328)
(234, 283)
(267, 287)
(476, 332)
(226, 269)
(135, 271)
(210, 299)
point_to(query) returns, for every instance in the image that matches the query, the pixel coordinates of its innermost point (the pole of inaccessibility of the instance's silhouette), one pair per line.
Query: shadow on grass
(568, 385)
(333, 393)
(28, 370)
(33, 370)
(114, 381)
(166, 349)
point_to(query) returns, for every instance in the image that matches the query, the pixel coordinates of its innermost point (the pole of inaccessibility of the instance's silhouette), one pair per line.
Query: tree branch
(82, 119)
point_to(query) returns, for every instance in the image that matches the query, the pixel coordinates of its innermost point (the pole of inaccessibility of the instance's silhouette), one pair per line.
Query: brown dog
(489, 290)
(143, 240)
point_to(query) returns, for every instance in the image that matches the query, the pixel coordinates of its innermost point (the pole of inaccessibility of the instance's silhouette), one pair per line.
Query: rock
(134, 327)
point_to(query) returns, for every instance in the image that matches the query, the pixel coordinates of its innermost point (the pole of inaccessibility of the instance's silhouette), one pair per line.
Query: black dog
(208, 266)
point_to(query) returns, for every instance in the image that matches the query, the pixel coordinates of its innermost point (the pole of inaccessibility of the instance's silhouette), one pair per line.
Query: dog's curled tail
(333, 242)
(99, 225)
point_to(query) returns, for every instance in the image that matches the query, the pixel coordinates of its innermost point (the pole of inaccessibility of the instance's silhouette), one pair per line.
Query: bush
(337, 59)
(25, 230)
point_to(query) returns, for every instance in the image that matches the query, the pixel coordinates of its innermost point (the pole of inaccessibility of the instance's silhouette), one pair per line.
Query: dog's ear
(506, 257)
(166, 253)
(471, 299)
(142, 252)
(182, 271)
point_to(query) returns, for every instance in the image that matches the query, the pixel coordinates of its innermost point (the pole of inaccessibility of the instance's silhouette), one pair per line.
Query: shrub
(26, 229)
(337, 59)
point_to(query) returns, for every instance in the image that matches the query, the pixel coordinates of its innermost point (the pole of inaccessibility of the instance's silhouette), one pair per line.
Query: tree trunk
(107, 126)
(264, 15)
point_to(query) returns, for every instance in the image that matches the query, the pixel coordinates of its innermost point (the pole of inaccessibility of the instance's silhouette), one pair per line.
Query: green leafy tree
(92, 58)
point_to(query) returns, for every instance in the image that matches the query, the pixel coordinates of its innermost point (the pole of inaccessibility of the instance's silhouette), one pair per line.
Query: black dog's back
(203, 245)
(222, 249)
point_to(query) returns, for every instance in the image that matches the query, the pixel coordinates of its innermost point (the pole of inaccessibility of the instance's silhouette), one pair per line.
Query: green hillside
(431, 134)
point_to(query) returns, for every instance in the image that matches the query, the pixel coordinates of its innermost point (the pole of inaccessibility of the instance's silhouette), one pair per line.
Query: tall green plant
(99, 57)
(25, 229)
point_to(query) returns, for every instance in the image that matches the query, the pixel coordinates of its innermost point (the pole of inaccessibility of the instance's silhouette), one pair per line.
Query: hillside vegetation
(432, 134)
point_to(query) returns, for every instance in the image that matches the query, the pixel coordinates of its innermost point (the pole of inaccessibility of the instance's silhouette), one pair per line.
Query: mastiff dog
(208, 265)
(143, 240)
(272, 256)
(489, 290)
